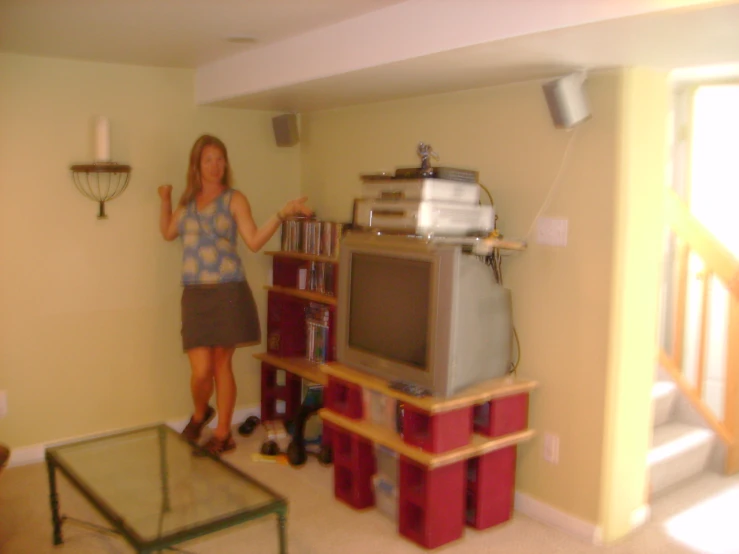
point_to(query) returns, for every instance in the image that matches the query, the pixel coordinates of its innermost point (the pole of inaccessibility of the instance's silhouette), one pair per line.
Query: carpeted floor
(699, 518)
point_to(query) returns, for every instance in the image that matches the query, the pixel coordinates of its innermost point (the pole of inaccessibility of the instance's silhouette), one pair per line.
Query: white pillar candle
(102, 139)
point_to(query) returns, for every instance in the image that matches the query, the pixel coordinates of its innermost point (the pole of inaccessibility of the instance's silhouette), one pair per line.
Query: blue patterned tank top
(209, 243)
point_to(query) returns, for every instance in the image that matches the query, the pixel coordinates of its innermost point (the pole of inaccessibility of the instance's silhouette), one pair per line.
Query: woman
(218, 309)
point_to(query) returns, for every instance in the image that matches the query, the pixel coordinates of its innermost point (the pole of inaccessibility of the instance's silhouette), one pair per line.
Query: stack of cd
(318, 277)
(317, 335)
(311, 236)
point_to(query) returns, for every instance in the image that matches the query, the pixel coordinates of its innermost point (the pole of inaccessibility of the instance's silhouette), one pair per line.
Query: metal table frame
(167, 542)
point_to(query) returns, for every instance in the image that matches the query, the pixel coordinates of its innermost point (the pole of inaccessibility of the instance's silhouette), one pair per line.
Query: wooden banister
(714, 254)
(687, 390)
(719, 261)
(705, 278)
(681, 296)
(732, 388)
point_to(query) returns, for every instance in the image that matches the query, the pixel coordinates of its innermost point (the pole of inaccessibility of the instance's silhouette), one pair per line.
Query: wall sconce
(103, 180)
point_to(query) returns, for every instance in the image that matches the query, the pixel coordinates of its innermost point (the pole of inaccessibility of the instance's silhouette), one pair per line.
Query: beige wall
(563, 297)
(637, 268)
(89, 310)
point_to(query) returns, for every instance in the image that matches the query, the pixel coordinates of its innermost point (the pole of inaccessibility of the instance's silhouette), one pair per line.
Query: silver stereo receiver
(442, 190)
(424, 217)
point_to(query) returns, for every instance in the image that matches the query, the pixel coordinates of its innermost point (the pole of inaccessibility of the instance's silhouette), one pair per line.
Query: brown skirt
(224, 314)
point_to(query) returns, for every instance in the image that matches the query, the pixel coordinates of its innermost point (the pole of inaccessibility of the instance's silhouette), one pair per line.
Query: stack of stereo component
(447, 203)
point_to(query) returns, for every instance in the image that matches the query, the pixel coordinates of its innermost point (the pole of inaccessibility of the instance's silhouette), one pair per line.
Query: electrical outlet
(3, 403)
(551, 231)
(551, 448)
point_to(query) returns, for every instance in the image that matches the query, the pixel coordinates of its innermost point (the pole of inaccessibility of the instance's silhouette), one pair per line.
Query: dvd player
(442, 190)
(424, 217)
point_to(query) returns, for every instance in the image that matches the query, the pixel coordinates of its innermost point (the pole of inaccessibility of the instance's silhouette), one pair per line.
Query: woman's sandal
(217, 446)
(193, 428)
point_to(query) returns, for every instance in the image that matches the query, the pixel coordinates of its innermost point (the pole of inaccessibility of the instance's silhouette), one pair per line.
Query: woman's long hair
(194, 182)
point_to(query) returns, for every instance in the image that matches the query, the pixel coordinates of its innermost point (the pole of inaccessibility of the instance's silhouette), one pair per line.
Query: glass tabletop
(151, 479)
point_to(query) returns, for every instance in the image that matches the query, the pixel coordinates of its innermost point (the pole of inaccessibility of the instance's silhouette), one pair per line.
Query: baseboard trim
(35, 453)
(545, 513)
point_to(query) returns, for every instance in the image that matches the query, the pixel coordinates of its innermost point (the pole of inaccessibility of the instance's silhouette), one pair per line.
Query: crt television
(424, 313)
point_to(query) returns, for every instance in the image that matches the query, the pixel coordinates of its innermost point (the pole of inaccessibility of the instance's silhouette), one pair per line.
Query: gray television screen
(382, 284)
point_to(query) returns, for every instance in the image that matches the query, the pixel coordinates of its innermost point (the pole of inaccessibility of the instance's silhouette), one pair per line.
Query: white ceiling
(317, 54)
(170, 33)
(682, 39)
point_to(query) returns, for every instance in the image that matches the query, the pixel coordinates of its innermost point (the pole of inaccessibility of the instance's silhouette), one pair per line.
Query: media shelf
(301, 305)
(456, 456)
(475, 394)
(378, 434)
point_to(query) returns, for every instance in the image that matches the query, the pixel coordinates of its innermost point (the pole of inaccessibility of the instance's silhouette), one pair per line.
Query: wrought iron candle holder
(101, 182)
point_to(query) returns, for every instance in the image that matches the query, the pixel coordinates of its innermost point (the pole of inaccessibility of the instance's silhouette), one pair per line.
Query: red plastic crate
(285, 325)
(354, 465)
(438, 432)
(491, 480)
(431, 506)
(344, 398)
(271, 393)
(285, 271)
(502, 416)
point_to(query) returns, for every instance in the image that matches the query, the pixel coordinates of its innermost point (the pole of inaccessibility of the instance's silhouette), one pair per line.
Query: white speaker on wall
(567, 101)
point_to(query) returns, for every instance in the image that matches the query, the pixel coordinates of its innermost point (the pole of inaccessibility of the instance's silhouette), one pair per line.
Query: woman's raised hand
(165, 192)
(296, 207)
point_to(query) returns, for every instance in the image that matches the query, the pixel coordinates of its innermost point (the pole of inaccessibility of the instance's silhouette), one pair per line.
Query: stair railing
(719, 262)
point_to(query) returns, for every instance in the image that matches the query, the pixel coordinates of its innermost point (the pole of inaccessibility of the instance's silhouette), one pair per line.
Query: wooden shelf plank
(304, 294)
(302, 256)
(384, 436)
(476, 394)
(483, 244)
(506, 244)
(299, 366)
(700, 240)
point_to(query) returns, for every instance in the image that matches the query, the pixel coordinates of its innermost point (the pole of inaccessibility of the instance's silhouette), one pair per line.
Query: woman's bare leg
(201, 379)
(225, 389)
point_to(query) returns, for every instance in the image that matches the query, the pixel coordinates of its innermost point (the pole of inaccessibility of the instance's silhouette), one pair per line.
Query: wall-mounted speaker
(567, 101)
(285, 128)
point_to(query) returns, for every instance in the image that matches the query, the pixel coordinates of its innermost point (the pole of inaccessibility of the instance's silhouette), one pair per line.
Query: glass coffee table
(158, 490)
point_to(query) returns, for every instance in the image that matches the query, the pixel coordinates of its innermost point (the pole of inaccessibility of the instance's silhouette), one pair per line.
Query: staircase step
(679, 451)
(664, 394)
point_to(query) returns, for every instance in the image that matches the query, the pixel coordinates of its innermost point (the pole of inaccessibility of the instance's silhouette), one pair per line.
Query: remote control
(410, 388)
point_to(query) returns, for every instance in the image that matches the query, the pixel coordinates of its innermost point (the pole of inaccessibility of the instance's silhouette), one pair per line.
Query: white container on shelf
(380, 409)
(386, 497)
(387, 463)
